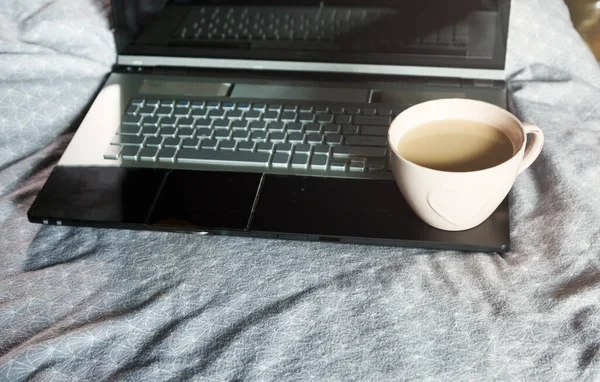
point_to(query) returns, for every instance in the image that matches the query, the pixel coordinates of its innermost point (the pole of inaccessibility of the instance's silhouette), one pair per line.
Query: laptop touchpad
(205, 200)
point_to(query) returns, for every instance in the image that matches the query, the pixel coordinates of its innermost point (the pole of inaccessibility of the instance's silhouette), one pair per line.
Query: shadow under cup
(460, 200)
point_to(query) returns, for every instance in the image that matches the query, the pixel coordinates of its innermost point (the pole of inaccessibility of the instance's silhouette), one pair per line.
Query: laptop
(268, 118)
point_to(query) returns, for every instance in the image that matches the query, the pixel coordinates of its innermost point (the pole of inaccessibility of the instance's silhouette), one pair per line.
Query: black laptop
(269, 118)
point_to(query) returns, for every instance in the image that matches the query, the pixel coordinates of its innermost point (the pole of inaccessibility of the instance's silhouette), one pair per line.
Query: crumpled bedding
(97, 304)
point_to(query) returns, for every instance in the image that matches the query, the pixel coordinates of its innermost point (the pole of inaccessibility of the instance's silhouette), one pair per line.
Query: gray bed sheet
(97, 304)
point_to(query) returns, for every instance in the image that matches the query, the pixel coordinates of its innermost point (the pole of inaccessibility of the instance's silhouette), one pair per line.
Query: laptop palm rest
(361, 211)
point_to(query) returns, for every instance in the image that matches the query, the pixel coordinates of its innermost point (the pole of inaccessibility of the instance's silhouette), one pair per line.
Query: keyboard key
(331, 128)
(167, 154)
(190, 142)
(152, 102)
(228, 105)
(374, 130)
(368, 120)
(264, 146)
(324, 118)
(314, 138)
(337, 110)
(127, 140)
(171, 142)
(146, 110)
(283, 147)
(182, 103)
(150, 130)
(131, 110)
(289, 108)
(112, 152)
(352, 110)
(199, 113)
(234, 114)
(214, 114)
(270, 116)
(274, 106)
(258, 106)
(312, 128)
(198, 104)
(222, 157)
(239, 135)
(167, 131)
(203, 122)
(221, 134)
(363, 140)
(293, 127)
(306, 117)
(319, 162)
(357, 165)
(128, 130)
(134, 120)
(302, 148)
(296, 137)
(343, 118)
(185, 122)
(212, 105)
(275, 126)
(221, 124)
(227, 145)
(376, 164)
(333, 139)
(252, 115)
(130, 152)
(185, 132)
(203, 132)
(245, 146)
(321, 149)
(349, 129)
(168, 121)
(288, 116)
(164, 111)
(384, 112)
(280, 160)
(368, 111)
(181, 111)
(209, 144)
(358, 151)
(258, 125)
(167, 102)
(277, 137)
(338, 164)
(150, 121)
(148, 153)
(305, 108)
(321, 109)
(239, 125)
(258, 136)
(243, 106)
(153, 141)
(137, 101)
(299, 160)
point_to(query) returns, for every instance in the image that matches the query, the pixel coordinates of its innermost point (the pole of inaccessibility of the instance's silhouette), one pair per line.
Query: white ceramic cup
(456, 201)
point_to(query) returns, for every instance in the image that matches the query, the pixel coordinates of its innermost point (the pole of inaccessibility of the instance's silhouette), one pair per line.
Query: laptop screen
(415, 33)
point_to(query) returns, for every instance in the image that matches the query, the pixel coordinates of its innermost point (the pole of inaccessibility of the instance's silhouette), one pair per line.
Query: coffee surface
(456, 146)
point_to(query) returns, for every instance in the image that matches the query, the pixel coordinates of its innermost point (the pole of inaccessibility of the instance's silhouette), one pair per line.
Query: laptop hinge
(479, 83)
(177, 71)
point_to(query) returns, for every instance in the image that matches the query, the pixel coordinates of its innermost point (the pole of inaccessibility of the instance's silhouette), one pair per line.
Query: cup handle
(535, 142)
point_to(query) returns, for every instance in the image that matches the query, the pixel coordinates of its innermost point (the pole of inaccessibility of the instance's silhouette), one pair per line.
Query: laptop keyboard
(338, 138)
(308, 24)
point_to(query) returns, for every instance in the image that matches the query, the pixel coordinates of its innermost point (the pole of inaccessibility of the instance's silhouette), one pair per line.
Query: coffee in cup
(455, 160)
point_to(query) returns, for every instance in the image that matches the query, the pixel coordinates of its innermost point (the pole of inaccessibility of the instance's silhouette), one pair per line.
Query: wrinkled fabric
(94, 304)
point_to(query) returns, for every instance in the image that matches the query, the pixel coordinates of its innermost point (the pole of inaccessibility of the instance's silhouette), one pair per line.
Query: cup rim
(465, 100)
